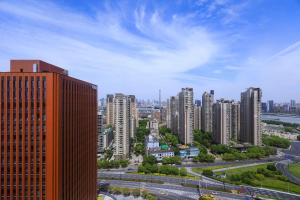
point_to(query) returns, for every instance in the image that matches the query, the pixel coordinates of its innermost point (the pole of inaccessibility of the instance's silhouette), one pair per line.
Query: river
(281, 117)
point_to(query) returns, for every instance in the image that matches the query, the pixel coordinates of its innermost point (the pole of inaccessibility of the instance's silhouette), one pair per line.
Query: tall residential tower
(207, 114)
(250, 116)
(222, 122)
(186, 115)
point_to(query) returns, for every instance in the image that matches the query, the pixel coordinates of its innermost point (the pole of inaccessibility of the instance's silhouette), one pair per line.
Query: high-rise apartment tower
(207, 114)
(250, 116)
(186, 115)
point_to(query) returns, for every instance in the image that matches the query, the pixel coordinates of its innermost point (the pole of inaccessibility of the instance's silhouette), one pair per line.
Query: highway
(241, 162)
(171, 191)
(201, 183)
(294, 149)
(283, 168)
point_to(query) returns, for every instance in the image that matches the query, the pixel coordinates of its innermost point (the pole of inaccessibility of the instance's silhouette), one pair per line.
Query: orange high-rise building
(48, 124)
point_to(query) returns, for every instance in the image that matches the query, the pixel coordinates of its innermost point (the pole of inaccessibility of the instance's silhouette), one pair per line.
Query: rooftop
(35, 66)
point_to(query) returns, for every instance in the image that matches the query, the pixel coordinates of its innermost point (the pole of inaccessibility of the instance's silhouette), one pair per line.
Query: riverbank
(288, 118)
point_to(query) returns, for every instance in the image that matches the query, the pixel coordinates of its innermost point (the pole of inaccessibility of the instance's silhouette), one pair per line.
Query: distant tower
(159, 98)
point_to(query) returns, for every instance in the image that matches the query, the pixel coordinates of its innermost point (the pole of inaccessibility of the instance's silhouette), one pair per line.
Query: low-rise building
(278, 130)
(151, 142)
(159, 154)
(189, 152)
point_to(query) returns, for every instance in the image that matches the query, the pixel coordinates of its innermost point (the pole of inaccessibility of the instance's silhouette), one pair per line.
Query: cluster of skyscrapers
(227, 120)
(271, 107)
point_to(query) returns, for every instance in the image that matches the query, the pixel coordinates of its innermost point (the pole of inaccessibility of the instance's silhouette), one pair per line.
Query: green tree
(229, 157)
(270, 150)
(183, 171)
(206, 197)
(141, 169)
(271, 167)
(103, 164)
(205, 158)
(168, 170)
(126, 192)
(164, 130)
(220, 149)
(276, 141)
(207, 172)
(136, 193)
(143, 123)
(139, 149)
(203, 138)
(115, 163)
(235, 177)
(124, 163)
(288, 129)
(149, 159)
(141, 133)
(148, 168)
(171, 160)
(171, 139)
(108, 154)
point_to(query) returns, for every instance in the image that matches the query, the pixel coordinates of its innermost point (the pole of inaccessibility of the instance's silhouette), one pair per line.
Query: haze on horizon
(137, 47)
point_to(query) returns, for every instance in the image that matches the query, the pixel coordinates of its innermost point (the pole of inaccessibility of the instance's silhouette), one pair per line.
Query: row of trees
(142, 131)
(204, 158)
(276, 141)
(251, 153)
(149, 166)
(138, 143)
(106, 164)
(171, 160)
(164, 169)
(134, 192)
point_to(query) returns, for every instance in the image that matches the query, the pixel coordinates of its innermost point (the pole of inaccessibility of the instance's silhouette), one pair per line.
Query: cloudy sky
(137, 47)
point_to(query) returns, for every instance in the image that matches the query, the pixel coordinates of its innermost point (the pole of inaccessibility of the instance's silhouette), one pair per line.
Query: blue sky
(137, 47)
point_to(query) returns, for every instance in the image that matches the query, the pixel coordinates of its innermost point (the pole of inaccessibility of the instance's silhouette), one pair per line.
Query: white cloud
(155, 52)
(277, 75)
(233, 68)
(102, 50)
(217, 71)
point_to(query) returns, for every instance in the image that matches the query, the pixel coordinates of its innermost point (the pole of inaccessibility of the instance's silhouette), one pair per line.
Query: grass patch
(295, 169)
(267, 182)
(200, 169)
(242, 169)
